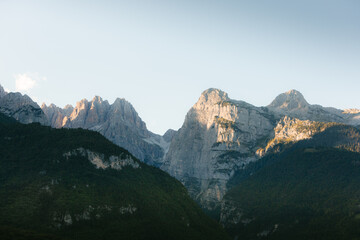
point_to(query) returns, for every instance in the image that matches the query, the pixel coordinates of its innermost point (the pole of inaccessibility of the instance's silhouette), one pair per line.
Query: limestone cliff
(219, 135)
(119, 122)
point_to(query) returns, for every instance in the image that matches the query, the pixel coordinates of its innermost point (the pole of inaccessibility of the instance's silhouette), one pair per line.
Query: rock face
(221, 135)
(57, 115)
(21, 107)
(293, 104)
(100, 161)
(119, 122)
(291, 130)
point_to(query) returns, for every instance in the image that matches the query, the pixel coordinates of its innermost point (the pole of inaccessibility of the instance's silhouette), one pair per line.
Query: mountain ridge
(119, 122)
(220, 135)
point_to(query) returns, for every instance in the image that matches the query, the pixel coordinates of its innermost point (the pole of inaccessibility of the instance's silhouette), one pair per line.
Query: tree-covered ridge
(44, 193)
(308, 191)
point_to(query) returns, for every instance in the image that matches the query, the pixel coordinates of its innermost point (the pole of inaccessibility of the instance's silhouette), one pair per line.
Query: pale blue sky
(160, 55)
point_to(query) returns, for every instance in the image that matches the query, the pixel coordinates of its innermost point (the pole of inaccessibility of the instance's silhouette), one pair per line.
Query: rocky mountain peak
(119, 101)
(22, 108)
(290, 100)
(213, 96)
(119, 122)
(68, 106)
(97, 99)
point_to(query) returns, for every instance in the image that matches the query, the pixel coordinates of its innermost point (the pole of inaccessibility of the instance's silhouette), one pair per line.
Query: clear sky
(160, 55)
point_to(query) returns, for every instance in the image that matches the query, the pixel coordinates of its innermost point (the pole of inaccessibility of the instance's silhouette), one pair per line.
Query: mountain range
(225, 146)
(118, 122)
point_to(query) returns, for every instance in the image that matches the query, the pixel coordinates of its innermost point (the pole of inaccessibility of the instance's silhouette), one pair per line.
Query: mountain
(221, 136)
(118, 122)
(218, 136)
(293, 104)
(21, 108)
(75, 184)
(310, 190)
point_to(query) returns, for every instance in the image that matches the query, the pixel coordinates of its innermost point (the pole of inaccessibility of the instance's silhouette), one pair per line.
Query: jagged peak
(68, 106)
(289, 100)
(43, 105)
(51, 105)
(214, 92)
(121, 101)
(213, 95)
(97, 99)
(293, 92)
(16, 96)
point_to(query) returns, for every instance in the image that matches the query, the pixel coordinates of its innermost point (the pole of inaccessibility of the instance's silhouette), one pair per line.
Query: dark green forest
(44, 195)
(311, 190)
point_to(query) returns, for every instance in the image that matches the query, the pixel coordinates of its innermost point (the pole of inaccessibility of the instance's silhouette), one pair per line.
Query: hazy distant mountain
(293, 104)
(119, 122)
(21, 107)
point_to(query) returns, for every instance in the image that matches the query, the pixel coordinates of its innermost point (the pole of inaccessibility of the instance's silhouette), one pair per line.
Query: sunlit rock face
(119, 122)
(219, 135)
(293, 104)
(21, 107)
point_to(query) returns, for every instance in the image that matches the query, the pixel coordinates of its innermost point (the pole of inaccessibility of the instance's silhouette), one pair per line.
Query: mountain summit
(21, 107)
(213, 95)
(222, 135)
(289, 101)
(119, 122)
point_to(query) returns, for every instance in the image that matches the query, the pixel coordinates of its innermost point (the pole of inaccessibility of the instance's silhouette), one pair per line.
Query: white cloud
(25, 82)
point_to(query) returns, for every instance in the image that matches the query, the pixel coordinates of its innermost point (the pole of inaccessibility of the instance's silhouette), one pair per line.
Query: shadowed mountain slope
(75, 184)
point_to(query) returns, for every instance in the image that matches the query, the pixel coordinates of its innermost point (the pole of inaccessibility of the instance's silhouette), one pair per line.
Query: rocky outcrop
(21, 107)
(291, 130)
(119, 122)
(57, 115)
(219, 135)
(293, 104)
(100, 161)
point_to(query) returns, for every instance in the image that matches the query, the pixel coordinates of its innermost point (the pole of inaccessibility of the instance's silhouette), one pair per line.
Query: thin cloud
(24, 82)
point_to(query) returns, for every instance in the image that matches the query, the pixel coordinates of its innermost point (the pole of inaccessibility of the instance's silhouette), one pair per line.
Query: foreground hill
(75, 184)
(308, 190)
